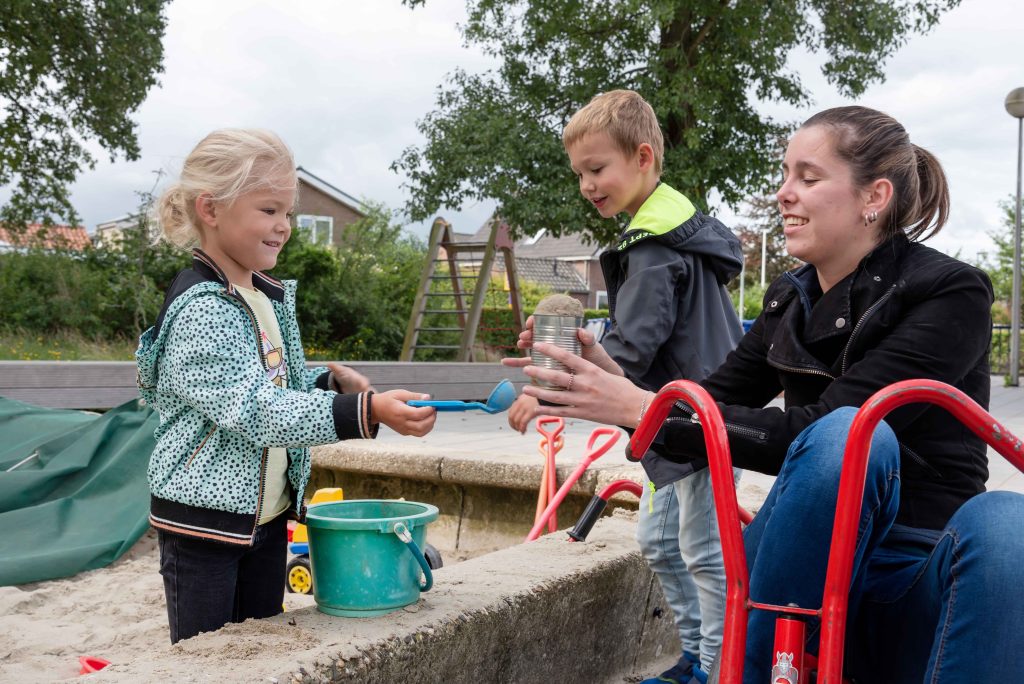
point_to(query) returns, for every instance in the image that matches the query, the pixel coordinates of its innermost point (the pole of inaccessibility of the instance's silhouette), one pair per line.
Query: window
(319, 230)
(602, 299)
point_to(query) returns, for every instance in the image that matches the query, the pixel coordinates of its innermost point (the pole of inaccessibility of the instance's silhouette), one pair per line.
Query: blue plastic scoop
(500, 399)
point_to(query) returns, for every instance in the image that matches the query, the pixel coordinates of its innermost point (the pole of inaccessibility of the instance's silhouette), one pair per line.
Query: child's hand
(348, 380)
(522, 412)
(595, 353)
(390, 409)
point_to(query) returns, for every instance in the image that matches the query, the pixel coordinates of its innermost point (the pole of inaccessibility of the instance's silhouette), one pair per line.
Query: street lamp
(1015, 106)
(764, 253)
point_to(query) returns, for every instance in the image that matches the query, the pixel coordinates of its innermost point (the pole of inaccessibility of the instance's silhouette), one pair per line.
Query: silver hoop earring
(873, 216)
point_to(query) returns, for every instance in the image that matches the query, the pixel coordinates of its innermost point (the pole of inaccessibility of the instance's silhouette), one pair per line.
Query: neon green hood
(664, 210)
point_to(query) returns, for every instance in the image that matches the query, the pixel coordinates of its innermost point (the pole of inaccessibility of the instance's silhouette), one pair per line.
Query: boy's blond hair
(627, 119)
(226, 164)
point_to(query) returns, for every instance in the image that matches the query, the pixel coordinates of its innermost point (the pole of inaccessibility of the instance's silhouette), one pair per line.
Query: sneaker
(686, 670)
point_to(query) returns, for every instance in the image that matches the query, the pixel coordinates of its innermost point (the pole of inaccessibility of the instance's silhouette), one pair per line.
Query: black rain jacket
(908, 311)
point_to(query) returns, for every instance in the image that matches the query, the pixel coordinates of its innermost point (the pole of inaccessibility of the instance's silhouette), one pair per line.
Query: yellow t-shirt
(276, 492)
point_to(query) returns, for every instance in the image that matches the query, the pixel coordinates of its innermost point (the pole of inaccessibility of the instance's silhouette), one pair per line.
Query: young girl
(936, 595)
(238, 408)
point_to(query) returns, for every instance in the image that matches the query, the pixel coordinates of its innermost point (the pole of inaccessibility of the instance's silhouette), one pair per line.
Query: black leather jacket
(908, 311)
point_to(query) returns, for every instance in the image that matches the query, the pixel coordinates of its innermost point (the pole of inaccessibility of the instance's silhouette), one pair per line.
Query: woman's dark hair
(875, 146)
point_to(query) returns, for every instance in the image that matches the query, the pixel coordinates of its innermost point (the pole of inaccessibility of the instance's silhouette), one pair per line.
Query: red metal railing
(834, 608)
(734, 637)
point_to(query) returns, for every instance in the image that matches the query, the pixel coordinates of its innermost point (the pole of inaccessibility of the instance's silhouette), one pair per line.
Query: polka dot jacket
(202, 368)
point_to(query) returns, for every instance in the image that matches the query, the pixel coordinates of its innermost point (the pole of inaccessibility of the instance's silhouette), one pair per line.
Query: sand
(559, 305)
(116, 613)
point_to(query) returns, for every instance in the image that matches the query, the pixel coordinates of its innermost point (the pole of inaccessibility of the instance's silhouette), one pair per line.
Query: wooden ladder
(453, 288)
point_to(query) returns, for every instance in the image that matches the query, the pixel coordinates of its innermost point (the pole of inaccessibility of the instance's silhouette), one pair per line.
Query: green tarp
(73, 493)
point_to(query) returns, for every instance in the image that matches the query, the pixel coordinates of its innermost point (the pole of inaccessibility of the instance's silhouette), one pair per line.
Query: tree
(71, 71)
(762, 216)
(701, 64)
(999, 264)
(353, 301)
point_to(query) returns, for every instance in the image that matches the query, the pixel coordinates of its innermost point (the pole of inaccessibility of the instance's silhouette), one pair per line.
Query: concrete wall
(485, 503)
(547, 611)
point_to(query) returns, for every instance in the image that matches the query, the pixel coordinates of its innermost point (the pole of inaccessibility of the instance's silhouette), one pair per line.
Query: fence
(103, 384)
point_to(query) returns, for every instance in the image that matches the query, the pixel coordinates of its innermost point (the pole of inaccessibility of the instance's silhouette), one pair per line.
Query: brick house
(568, 264)
(37, 235)
(322, 210)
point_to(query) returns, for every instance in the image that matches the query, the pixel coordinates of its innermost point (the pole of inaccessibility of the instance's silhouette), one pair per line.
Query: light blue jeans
(931, 606)
(678, 536)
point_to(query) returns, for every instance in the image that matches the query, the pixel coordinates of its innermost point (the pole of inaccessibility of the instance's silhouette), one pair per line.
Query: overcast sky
(345, 82)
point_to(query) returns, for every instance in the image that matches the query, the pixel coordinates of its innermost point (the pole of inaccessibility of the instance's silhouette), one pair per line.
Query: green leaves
(700, 63)
(353, 302)
(70, 71)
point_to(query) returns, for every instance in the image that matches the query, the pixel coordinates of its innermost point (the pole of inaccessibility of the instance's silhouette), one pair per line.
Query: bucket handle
(402, 532)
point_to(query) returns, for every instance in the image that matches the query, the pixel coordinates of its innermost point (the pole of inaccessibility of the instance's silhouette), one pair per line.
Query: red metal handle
(851, 493)
(723, 487)
(613, 488)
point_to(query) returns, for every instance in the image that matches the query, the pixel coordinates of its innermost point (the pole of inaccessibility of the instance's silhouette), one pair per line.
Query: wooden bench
(104, 384)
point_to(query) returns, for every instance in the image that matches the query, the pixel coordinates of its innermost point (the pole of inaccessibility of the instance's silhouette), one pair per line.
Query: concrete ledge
(514, 471)
(486, 502)
(539, 612)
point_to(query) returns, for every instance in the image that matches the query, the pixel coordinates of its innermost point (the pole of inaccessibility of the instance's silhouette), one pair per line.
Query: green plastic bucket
(365, 555)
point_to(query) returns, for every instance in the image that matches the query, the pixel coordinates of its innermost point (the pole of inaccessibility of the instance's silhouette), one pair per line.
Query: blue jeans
(208, 584)
(678, 536)
(925, 605)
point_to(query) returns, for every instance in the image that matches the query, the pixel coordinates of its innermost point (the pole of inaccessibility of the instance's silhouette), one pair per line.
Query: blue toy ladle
(500, 399)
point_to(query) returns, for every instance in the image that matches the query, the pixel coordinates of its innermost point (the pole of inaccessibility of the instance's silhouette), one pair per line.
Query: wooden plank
(104, 384)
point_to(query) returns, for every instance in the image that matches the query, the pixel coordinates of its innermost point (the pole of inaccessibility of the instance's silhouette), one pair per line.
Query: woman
(934, 595)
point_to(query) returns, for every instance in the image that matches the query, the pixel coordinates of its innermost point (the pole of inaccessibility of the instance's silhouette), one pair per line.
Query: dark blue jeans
(208, 584)
(925, 605)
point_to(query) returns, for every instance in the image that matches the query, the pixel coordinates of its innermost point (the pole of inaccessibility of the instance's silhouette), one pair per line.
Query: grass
(21, 345)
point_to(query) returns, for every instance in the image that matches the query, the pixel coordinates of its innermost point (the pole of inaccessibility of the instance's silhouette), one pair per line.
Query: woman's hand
(348, 380)
(390, 409)
(591, 392)
(590, 349)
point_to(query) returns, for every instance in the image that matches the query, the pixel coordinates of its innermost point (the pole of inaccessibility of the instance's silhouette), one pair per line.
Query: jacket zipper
(856, 328)
(804, 370)
(919, 460)
(266, 451)
(256, 327)
(747, 431)
(263, 483)
(200, 447)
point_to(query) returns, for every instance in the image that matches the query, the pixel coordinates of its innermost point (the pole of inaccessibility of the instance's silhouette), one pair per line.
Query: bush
(98, 293)
(354, 301)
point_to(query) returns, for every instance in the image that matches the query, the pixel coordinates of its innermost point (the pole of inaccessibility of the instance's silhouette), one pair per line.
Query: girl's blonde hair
(226, 164)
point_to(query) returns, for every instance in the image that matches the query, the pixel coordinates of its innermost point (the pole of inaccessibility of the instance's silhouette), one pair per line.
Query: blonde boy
(671, 318)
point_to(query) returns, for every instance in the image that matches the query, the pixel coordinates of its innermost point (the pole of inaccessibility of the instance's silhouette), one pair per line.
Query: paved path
(490, 438)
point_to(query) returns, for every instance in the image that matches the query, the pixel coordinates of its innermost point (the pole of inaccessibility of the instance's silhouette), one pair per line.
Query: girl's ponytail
(225, 164)
(175, 218)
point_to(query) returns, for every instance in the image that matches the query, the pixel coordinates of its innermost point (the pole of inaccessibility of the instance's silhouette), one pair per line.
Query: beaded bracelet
(643, 408)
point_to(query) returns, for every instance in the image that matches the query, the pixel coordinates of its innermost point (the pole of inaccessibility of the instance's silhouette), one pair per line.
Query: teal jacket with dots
(202, 367)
